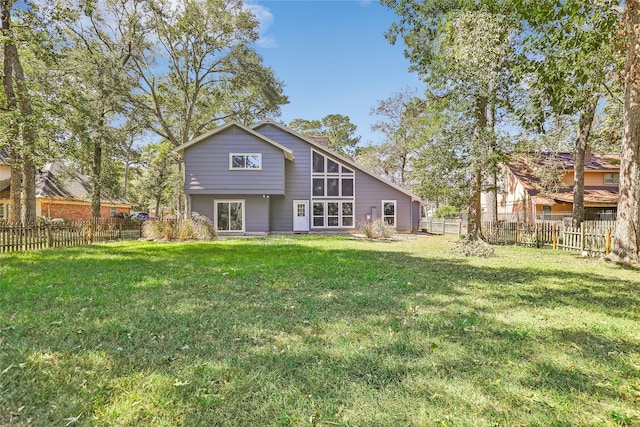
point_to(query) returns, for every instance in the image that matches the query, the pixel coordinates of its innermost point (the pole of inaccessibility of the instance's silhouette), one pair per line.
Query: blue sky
(333, 58)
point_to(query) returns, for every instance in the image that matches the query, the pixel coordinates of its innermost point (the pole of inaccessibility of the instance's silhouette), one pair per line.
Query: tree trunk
(15, 160)
(491, 193)
(29, 145)
(584, 130)
(627, 241)
(96, 169)
(474, 220)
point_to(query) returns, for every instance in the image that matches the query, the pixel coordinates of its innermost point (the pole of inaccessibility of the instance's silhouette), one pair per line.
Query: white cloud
(265, 19)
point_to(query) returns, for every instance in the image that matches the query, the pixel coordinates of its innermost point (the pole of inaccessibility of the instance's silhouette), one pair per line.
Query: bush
(198, 227)
(377, 229)
(446, 212)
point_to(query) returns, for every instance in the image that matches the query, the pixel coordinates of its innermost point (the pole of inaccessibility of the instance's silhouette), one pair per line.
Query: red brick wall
(76, 212)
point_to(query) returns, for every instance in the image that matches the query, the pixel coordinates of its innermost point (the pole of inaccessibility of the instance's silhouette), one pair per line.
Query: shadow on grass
(286, 331)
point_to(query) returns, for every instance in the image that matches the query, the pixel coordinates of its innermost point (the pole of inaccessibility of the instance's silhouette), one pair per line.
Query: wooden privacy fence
(445, 227)
(18, 237)
(589, 238)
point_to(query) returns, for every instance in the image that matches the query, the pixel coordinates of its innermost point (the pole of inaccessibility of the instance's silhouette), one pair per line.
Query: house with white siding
(267, 178)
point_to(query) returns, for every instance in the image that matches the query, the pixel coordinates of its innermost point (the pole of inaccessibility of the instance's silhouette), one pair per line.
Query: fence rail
(591, 238)
(19, 237)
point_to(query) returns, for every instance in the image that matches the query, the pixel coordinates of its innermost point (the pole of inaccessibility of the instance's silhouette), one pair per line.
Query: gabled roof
(524, 168)
(343, 159)
(4, 157)
(288, 154)
(53, 184)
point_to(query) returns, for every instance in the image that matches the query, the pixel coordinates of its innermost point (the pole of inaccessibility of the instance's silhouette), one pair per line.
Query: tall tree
(572, 62)
(337, 128)
(202, 69)
(400, 122)
(100, 41)
(461, 49)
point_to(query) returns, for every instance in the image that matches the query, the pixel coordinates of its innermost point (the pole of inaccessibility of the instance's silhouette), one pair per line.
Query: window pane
(332, 187)
(347, 187)
(301, 210)
(237, 161)
(253, 162)
(389, 208)
(318, 163)
(318, 221)
(389, 220)
(318, 187)
(332, 221)
(332, 167)
(235, 215)
(223, 216)
(347, 209)
(347, 221)
(332, 208)
(345, 170)
(318, 209)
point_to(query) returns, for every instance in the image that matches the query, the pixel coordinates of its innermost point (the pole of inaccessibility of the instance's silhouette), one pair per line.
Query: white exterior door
(300, 215)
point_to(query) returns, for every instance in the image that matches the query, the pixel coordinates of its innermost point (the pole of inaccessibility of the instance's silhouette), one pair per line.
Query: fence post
(537, 237)
(582, 237)
(459, 228)
(555, 236)
(607, 245)
(515, 235)
(49, 236)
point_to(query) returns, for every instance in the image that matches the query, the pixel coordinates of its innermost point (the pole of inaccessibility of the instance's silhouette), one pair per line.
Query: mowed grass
(316, 331)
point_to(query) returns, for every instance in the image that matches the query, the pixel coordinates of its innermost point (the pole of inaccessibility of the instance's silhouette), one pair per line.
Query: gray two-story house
(267, 178)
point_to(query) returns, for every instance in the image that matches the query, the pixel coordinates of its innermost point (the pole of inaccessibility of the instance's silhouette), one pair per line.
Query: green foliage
(337, 128)
(377, 229)
(284, 330)
(446, 212)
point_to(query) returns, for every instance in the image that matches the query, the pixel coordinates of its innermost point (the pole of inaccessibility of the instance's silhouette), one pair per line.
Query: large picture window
(229, 215)
(4, 211)
(239, 161)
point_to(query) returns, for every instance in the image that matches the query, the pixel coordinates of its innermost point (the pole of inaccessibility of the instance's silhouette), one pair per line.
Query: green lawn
(316, 331)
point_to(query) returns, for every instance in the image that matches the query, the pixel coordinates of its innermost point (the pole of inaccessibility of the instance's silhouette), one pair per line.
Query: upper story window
(242, 161)
(611, 178)
(330, 178)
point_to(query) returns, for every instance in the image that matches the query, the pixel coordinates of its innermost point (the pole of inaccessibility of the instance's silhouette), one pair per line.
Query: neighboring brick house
(59, 195)
(524, 197)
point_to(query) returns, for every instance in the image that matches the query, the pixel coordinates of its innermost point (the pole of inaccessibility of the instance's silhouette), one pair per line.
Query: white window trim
(215, 214)
(325, 214)
(259, 155)
(395, 211)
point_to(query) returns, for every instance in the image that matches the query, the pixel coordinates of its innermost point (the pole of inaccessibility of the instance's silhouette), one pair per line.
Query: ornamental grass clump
(198, 227)
(377, 229)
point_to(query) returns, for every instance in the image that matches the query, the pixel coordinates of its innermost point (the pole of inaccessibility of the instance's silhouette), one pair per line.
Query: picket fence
(592, 237)
(19, 237)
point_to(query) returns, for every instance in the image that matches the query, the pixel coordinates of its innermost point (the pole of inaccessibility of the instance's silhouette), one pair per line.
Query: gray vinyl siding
(207, 165)
(256, 209)
(298, 177)
(370, 192)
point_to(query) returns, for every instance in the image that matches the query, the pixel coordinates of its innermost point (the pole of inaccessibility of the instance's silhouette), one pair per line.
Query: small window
(332, 187)
(332, 167)
(345, 170)
(611, 178)
(332, 214)
(389, 212)
(302, 211)
(2, 211)
(112, 211)
(245, 161)
(347, 214)
(347, 187)
(318, 214)
(318, 187)
(318, 163)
